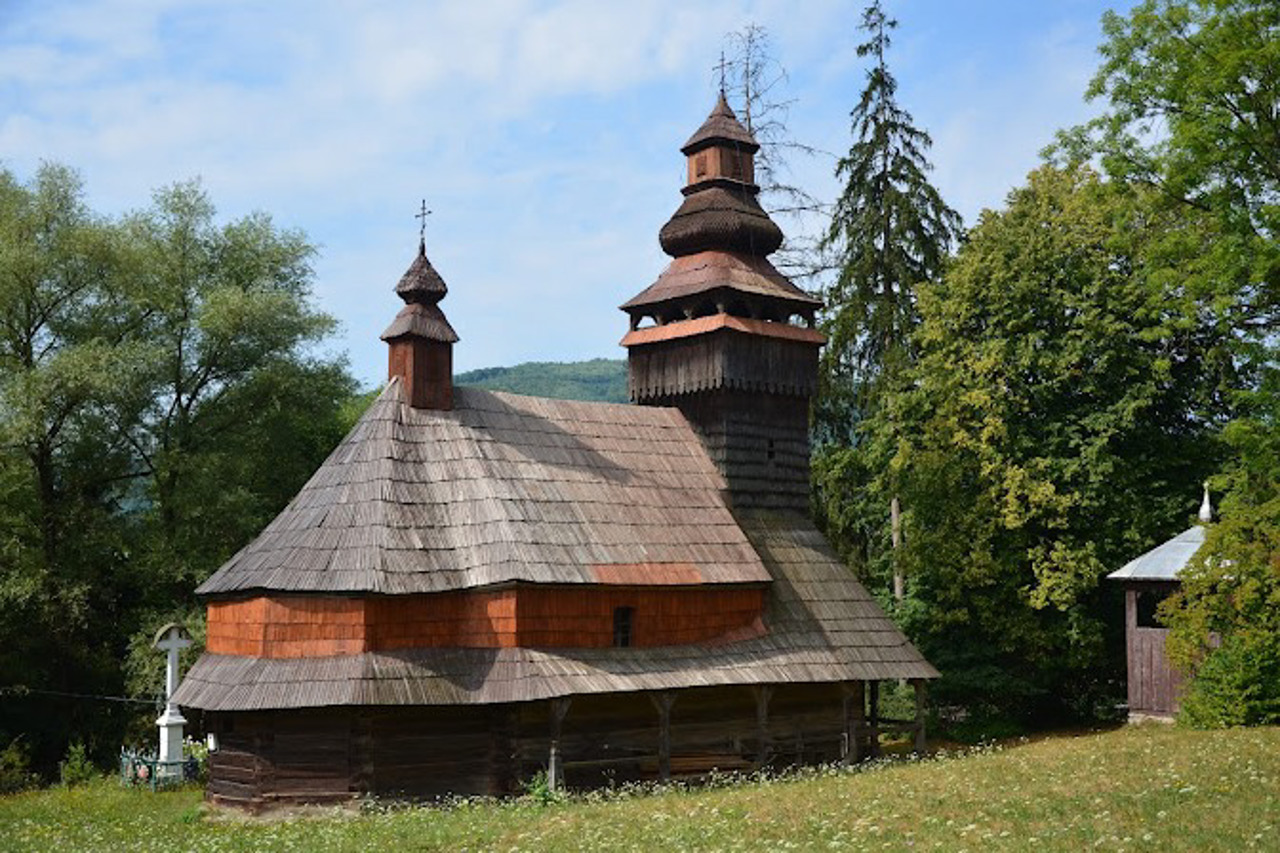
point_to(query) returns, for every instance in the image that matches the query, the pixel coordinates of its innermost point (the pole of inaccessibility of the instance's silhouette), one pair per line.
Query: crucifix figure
(421, 216)
(172, 638)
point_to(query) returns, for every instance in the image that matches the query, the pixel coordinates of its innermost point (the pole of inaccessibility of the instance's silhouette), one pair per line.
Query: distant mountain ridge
(600, 379)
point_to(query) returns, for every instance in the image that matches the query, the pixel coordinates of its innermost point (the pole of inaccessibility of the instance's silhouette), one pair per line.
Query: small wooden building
(476, 586)
(1154, 683)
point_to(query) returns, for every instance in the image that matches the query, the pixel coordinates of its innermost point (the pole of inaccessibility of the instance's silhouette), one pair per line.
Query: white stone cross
(172, 638)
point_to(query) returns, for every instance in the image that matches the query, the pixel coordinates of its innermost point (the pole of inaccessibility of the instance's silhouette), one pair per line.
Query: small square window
(623, 619)
(1148, 601)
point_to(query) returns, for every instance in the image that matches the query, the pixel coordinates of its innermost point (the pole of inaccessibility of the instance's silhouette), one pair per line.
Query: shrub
(15, 768)
(197, 752)
(539, 790)
(76, 768)
(1238, 684)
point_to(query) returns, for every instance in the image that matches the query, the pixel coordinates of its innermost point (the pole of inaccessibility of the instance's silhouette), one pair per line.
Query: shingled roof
(822, 627)
(720, 217)
(721, 125)
(502, 488)
(709, 271)
(421, 282)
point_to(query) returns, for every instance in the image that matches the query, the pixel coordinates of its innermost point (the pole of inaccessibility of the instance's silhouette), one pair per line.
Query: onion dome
(421, 287)
(720, 217)
(421, 282)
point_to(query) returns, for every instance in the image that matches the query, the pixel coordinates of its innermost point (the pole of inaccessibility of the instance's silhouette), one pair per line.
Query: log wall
(332, 754)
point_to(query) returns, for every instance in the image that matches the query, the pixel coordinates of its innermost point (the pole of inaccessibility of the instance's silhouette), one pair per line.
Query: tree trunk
(895, 528)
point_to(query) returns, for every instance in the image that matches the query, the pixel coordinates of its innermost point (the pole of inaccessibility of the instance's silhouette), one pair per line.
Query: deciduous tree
(1063, 408)
(160, 400)
(1191, 89)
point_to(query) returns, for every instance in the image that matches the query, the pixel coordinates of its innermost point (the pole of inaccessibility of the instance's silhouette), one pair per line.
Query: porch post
(663, 701)
(763, 694)
(920, 686)
(855, 710)
(873, 718)
(555, 773)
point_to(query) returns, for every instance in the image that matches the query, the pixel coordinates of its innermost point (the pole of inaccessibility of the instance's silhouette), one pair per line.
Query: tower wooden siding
(284, 626)
(760, 444)
(724, 351)
(722, 161)
(426, 367)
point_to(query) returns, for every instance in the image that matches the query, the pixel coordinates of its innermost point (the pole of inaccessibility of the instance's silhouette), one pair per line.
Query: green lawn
(1140, 788)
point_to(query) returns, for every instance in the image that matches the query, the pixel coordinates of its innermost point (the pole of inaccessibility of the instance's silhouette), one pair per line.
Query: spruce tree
(890, 230)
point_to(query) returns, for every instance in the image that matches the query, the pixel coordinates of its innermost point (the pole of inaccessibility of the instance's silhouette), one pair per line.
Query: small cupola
(420, 338)
(720, 210)
(721, 149)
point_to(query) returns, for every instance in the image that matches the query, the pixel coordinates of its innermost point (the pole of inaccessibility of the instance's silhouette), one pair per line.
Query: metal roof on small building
(1164, 562)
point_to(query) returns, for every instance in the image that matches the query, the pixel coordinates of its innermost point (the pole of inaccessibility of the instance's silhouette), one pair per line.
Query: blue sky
(544, 135)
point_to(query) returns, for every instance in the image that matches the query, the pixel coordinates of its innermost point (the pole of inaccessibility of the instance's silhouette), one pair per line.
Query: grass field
(1140, 788)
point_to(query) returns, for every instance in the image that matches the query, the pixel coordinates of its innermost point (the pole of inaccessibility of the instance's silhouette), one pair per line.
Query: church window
(700, 166)
(623, 619)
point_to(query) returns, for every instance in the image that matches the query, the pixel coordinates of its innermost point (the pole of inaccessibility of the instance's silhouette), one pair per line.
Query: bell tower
(722, 335)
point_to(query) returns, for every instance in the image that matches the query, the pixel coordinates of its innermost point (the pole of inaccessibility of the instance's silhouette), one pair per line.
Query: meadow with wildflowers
(1140, 788)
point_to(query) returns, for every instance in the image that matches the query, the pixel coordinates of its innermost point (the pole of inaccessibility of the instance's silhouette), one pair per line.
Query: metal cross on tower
(721, 66)
(422, 215)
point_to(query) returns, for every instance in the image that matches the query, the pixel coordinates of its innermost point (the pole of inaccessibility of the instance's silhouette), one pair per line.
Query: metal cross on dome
(422, 215)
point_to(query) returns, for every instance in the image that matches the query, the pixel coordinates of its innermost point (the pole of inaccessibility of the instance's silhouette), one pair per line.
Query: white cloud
(544, 134)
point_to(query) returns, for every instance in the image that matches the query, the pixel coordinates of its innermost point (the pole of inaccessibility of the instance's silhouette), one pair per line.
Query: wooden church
(477, 586)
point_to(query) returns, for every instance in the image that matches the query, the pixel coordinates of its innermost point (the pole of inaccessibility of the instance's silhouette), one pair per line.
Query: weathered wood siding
(426, 367)
(299, 626)
(1154, 684)
(723, 359)
(760, 443)
(329, 754)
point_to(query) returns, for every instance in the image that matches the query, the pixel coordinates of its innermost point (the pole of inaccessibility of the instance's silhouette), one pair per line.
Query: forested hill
(600, 379)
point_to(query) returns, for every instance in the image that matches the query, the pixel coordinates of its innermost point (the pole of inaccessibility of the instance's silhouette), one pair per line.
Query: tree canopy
(1060, 411)
(1191, 90)
(161, 398)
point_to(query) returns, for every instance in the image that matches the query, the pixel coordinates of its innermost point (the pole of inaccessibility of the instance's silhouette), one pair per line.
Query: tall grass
(1153, 788)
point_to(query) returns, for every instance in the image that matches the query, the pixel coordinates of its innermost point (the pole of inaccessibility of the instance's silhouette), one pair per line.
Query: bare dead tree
(755, 83)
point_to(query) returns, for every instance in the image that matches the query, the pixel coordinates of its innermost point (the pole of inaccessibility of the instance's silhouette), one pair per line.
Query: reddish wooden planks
(295, 626)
